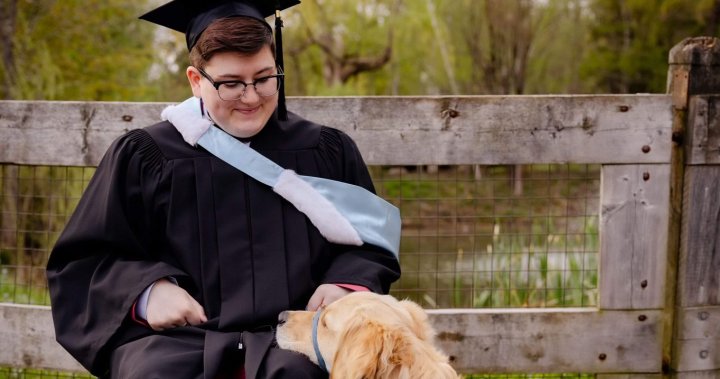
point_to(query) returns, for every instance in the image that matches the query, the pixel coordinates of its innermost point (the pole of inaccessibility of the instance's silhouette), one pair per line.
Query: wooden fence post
(692, 344)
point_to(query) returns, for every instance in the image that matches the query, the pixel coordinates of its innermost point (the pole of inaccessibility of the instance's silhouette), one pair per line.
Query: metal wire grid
(489, 237)
(472, 236)
(35, 204)
(13, 373)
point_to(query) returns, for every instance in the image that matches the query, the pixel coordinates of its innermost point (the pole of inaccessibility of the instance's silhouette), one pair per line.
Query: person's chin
(247, 125)
(245, 129)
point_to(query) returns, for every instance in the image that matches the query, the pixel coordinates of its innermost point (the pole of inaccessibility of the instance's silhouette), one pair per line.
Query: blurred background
(473, 236)
(98, 49)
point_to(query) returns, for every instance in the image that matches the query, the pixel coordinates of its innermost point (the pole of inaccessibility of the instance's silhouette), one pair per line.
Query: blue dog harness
(321, 361)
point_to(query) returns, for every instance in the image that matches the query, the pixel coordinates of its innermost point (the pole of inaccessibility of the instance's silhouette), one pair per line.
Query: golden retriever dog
(366, 336)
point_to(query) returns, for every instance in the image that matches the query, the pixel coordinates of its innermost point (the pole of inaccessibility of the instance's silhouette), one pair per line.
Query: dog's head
(366, 335)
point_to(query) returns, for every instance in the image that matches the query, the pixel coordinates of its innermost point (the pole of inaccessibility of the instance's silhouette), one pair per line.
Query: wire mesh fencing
(15, 373)
(473, 236)
(496, 236)
(35, 204)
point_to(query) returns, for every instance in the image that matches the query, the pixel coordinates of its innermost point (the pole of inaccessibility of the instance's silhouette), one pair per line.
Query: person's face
(246, 116)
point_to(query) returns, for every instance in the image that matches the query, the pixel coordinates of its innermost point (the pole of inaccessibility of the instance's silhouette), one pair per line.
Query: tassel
(282, 109)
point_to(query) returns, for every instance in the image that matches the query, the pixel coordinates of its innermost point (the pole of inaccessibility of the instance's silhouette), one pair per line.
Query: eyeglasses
(235, 89)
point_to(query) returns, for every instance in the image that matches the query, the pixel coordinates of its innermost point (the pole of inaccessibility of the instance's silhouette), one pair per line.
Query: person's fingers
(316, 300)
(170, 306)
(200, 312)
(195, 317)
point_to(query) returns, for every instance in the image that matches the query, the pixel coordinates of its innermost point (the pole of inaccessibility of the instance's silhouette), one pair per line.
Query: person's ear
(194, 78)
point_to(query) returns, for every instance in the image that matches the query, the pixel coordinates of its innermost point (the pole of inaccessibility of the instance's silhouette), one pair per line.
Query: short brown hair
(244, 35)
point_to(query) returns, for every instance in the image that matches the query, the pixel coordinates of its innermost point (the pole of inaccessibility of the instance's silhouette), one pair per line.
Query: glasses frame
(280, 76)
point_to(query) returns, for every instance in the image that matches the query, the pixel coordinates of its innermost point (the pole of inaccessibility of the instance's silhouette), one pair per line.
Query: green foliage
(324, 38)
(630, 41)
(16, 373)
(99, 50)
(468, 242)
(81, 50)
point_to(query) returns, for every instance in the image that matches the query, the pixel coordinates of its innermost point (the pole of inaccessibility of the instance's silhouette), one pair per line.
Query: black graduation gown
(158, 207)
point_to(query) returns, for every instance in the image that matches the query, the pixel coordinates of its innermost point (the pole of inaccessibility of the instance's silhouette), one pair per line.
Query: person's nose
(250, 95)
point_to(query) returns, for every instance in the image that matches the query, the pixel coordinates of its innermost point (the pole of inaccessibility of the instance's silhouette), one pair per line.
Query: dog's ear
(369, 350)
(420, 324)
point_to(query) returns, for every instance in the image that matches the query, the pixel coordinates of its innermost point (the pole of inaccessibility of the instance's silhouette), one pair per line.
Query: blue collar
(316, 319)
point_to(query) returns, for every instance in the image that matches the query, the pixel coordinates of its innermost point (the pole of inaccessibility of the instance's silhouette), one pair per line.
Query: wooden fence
(659, 275)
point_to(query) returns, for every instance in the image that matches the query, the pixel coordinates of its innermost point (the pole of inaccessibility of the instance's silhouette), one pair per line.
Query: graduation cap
(192, 17)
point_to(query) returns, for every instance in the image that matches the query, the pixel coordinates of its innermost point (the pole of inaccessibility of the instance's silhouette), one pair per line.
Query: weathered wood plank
(715, 374)
(698, 355)
(480, 341)
(699, 277)
(704, 130)
(634, 217)
(28, 339)
(698, 58)
(699, 323)
(550, 341)
(692, 72)
(698, 341)
(388, 130)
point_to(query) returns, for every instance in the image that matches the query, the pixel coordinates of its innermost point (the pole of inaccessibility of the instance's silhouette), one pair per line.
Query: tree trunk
(442, 46)
(713, 24)
(8, 14)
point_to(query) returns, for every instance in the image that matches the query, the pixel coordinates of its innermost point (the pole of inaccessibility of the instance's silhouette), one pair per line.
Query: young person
(177, 261)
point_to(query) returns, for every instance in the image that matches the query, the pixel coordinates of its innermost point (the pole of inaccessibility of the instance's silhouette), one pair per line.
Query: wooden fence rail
(659, 293)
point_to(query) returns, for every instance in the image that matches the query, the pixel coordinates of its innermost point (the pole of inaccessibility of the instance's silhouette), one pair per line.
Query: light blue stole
(375, 220)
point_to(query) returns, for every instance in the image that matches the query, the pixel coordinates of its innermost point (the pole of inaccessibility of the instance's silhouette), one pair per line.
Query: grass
(15, 373)
(21, 291)
(471, 242)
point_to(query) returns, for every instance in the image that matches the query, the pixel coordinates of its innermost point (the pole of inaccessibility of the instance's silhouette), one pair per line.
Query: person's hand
(326, 294)
(170, 306)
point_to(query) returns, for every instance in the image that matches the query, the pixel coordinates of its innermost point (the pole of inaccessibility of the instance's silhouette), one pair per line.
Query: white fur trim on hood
(321, 212)
(188, 119)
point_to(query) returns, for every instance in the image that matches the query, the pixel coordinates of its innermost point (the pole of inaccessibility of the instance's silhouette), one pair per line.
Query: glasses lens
(231, 91)
(264, 87)
(267, 86)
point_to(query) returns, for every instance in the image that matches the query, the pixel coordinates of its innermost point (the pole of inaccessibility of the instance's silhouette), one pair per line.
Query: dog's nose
(282, 317)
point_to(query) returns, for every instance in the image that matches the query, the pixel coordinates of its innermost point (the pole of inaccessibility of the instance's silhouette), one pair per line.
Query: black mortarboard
(192, 17)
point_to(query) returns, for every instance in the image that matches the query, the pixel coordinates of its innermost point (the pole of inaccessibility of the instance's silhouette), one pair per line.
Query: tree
(339, 39)
(62, 50)
(8, 11)
(77, 50)
(560, 41)
(496, 36)
(630, 56)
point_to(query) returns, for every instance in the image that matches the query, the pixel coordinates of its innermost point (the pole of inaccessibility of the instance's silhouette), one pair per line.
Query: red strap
(353, 287)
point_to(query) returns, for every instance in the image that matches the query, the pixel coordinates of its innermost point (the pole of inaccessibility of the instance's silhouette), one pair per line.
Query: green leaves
(81, 50)
(99, 50)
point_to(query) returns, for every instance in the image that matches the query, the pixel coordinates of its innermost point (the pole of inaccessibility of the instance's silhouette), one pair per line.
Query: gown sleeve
(104, 258)
(369, 266)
